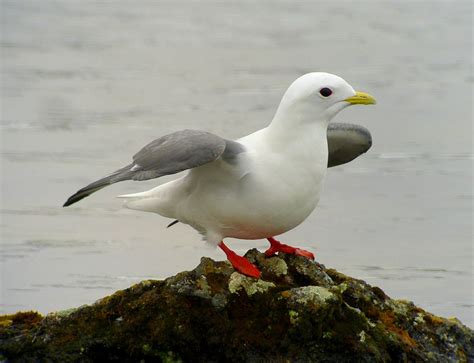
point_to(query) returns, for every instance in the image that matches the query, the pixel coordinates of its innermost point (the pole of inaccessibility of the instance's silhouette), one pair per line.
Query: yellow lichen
(251, 286)
(275, 265)
(419, 319)
(5, 321)
(316, 294)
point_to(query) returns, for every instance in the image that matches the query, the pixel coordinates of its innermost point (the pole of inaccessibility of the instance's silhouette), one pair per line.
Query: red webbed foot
(240, 263)
(276, 246)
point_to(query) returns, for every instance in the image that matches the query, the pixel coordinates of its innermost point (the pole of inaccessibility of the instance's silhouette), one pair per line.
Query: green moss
(294, 315)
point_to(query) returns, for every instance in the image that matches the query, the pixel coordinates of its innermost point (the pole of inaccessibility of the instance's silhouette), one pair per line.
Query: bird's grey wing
(176, 152)
(346, 142)
(166, 155)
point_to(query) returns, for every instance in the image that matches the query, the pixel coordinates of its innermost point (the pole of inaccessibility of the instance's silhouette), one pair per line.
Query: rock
(299, 311)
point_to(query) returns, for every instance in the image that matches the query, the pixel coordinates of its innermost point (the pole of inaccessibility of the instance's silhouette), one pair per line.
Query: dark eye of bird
(325, 92)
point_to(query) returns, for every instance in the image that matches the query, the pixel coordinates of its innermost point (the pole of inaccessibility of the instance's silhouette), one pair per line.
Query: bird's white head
(316, 98)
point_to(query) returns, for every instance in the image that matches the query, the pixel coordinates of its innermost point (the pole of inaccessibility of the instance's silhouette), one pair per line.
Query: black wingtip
(67, 204)
(73, 199)
(172, 223)
(91, 188)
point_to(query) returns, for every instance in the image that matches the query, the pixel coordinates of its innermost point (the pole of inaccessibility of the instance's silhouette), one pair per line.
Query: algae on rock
(299, 311)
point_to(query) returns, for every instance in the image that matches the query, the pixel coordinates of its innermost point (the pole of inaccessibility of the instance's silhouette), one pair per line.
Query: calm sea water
(86, 84)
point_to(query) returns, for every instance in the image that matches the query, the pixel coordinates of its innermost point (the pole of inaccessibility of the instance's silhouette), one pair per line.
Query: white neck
(295, 123)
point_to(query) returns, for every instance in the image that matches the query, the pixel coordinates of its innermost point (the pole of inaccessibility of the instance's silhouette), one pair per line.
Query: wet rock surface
(299, 311)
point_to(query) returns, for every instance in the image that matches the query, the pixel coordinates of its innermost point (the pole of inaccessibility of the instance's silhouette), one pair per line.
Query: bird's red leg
(276, 246)
(240, 263)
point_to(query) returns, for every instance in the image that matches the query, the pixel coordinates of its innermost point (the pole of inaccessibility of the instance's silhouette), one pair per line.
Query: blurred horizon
(84, 85)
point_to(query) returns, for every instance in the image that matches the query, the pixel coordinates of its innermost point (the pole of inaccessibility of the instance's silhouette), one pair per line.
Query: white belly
(266, 202)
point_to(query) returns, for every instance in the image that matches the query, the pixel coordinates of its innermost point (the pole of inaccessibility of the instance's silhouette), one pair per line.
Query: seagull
(255, 187)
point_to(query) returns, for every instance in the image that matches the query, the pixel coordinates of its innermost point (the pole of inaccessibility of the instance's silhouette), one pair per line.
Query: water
(86, 84)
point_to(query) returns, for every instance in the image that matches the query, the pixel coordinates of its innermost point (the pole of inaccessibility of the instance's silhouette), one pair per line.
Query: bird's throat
(308, 139)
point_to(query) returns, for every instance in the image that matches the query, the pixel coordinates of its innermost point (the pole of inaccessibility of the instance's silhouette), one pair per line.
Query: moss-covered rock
(299, 311)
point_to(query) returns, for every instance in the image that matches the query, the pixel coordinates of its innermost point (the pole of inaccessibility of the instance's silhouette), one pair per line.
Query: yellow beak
(361, 98)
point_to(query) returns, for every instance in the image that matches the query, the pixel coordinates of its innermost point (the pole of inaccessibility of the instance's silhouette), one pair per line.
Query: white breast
(270, 192)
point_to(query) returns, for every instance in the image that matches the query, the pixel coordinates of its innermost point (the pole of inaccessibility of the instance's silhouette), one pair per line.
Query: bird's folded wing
(166, 155)
(346, 142)
(176, 152)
